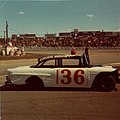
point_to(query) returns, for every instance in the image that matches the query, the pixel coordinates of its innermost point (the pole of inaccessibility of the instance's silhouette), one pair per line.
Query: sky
(55, 16)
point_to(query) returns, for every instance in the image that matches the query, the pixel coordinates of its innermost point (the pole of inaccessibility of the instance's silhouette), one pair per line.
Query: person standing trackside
(85, 58)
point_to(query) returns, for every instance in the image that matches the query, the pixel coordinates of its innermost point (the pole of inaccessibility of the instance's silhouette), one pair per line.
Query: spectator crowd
(74, 40)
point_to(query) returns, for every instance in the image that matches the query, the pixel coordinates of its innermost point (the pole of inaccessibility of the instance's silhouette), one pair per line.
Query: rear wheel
(105, 83)
(34, 83)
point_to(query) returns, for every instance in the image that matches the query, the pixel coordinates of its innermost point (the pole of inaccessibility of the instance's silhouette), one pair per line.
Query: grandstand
(93, 39)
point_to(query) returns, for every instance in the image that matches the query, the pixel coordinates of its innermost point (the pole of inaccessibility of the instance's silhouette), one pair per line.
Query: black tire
(34, 83)
(105, 83)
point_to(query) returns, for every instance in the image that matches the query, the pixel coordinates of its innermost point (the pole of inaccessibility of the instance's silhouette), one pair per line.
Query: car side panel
(56, 77)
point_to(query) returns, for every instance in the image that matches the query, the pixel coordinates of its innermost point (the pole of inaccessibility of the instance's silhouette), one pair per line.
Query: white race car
(64, 71)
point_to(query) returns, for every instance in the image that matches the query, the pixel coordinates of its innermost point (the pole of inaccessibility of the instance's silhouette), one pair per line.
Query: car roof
(59, 57)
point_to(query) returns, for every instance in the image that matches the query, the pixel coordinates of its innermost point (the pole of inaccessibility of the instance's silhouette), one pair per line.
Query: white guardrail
(69, 48)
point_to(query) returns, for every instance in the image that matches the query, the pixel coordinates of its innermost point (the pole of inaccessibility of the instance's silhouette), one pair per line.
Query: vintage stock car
(64, 71)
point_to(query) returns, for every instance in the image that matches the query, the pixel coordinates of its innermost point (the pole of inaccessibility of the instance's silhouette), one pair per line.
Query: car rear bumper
(8, 81)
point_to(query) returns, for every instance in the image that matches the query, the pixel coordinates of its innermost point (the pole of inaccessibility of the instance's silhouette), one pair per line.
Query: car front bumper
(116, 75)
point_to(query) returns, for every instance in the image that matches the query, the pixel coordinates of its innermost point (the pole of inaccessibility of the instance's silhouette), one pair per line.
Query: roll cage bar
(58, 60)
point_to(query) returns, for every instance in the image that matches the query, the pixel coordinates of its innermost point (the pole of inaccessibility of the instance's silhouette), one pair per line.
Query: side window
(70, 62)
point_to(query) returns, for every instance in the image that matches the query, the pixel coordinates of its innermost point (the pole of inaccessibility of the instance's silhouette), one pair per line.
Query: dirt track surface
(61, 105)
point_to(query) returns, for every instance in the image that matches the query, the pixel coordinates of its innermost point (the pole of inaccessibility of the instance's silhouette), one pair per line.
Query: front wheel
(105, 83)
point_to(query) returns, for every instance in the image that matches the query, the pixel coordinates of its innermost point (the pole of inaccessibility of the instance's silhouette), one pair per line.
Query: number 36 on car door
(71, 77)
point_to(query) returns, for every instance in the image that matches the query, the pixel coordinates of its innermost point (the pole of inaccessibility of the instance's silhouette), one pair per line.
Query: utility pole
(6, 37)
(6, 32)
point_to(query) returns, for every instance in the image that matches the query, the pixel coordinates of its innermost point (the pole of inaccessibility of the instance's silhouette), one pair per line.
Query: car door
(48, 70)
(70, 74)
(71, 77)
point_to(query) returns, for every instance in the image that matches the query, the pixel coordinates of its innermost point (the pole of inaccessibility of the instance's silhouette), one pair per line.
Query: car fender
(101, 74)
(95, 72)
